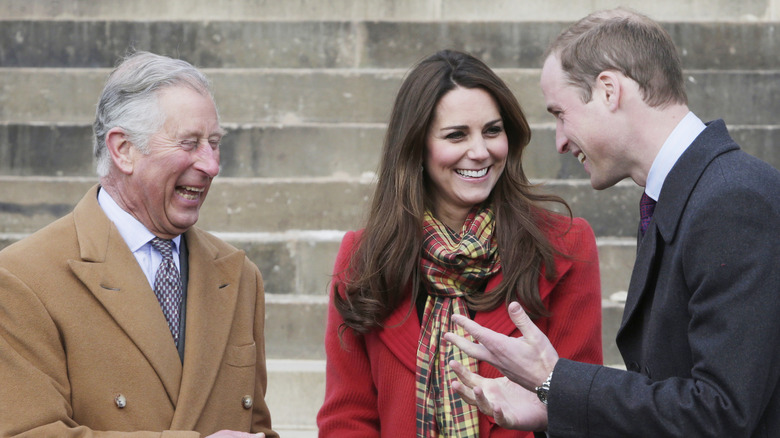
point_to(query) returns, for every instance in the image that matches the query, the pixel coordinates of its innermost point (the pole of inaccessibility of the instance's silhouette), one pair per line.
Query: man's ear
(121, 150)
(610, 88)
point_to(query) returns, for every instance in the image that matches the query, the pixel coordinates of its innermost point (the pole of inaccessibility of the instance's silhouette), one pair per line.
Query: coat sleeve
(350, 406)
(574, 325)
(723, 271)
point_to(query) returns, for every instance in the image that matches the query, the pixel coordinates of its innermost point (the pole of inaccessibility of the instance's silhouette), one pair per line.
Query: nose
(561, 142)
(207, 160)
(478, 150)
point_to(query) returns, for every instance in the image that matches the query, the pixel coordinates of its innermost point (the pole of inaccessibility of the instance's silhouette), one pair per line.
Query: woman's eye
(494, 130)
(457, 135)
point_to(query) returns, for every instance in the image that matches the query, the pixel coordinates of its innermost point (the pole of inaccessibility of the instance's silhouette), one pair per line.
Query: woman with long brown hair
(455, 227)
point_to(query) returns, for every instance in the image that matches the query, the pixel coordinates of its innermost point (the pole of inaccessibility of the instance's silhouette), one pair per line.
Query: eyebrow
(490, 123)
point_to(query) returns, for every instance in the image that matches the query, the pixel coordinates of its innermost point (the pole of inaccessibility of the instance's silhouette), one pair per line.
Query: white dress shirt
(678, 141)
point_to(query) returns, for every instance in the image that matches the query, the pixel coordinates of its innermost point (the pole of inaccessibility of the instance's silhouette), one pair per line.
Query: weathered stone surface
(325, 96)
(402, 10)
(216, 44)
(295, 151)
(238, 204)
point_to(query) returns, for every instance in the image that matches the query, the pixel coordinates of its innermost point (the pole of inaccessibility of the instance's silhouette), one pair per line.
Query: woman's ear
(121, 150)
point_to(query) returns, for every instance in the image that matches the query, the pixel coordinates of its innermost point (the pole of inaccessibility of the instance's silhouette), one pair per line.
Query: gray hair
(129, 100)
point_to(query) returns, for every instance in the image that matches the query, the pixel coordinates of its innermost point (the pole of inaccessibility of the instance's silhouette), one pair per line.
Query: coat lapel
(211, 301)
(109, 270)
(673, 199)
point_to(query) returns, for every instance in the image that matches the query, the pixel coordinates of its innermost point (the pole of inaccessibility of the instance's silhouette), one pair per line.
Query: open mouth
(472, 173)
(191, 193)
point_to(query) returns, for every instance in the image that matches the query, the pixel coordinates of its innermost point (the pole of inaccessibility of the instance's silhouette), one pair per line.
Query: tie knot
(165, 246)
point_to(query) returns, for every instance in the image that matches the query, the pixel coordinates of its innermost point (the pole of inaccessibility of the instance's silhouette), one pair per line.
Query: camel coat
(81, 331)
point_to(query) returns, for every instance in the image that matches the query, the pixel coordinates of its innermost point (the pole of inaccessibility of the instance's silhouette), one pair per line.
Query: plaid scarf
(453, 265)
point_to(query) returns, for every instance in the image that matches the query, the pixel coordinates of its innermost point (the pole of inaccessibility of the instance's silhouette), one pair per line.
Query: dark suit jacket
(701, 329)
(80, 325)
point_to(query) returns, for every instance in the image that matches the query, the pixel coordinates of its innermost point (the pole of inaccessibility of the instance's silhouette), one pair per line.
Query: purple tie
(646, 207)
(167, 285)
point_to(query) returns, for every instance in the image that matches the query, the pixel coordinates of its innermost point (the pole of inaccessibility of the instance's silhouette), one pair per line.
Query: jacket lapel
(211, 299)
(109, 270)
(673, 199)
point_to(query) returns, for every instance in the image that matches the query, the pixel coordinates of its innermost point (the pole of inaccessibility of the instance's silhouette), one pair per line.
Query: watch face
(542, 393)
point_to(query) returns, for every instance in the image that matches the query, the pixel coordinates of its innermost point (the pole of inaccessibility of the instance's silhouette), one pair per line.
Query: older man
(700, 334)
(122, 316)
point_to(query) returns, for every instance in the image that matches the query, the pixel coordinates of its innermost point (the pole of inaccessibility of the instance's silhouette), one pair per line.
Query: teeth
(185, 192)
(472, 173)
(581, 157)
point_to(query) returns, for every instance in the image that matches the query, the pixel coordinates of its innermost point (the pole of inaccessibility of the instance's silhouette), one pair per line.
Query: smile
(191, 193)
(472, 173)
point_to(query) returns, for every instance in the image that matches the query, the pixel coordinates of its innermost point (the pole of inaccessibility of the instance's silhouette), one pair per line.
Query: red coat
(370, 386)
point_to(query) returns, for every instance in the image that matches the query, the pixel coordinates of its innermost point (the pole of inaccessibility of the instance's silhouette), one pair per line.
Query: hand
(527, 360)
(511, 405)
(235, 434)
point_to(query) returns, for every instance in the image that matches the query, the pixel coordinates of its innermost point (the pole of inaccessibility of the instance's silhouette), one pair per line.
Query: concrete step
(292, 97)
(279, 205)
(398, 10)
(348, 44)
(299, 151)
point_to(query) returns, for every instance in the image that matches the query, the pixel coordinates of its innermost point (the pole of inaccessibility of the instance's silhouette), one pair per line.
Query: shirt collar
(678, 141)
(134, 233)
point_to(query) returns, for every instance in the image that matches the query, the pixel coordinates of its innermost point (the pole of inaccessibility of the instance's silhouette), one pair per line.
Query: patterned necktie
(646, 207)
(167, 285)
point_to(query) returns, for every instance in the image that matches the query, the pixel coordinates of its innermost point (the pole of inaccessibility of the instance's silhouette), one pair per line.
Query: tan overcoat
(85, 350)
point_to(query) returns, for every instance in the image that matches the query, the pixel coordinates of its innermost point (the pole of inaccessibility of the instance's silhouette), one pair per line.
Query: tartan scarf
(453, 265)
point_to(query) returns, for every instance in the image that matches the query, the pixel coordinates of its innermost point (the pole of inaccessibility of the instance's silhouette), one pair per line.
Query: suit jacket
(80, 326)
(700, 334)
(370, 379)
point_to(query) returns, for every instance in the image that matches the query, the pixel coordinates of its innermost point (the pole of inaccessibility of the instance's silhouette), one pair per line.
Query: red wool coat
(370, 386)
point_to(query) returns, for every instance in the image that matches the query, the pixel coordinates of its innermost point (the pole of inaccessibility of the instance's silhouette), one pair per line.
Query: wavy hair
(387, 256)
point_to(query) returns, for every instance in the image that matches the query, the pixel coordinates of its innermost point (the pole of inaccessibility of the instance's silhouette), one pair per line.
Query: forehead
(188, 109)
(465, 103)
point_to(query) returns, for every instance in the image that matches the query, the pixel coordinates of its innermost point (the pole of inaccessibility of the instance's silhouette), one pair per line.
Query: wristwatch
(543, 391)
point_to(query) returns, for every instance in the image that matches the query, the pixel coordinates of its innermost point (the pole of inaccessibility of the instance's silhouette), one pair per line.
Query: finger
(464, 392)
(465, 375)
(476, 351)
(482, 402)
(522, 321)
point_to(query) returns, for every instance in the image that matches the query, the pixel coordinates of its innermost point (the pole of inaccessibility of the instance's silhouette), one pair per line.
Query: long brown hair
(386, 259)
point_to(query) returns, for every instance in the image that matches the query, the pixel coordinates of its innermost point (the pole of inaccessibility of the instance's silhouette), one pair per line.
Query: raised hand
(511, 405)
(526, 360)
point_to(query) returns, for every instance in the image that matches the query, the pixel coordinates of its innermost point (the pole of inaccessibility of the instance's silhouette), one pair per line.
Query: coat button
(246, 402)
(120, 401)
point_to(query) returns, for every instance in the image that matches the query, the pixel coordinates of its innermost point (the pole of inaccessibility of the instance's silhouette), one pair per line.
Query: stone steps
(342, 150)
(379, 10)
(284, 97)
(305, 88)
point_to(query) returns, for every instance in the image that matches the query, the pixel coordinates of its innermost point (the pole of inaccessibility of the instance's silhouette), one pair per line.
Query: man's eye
(189, 145)
(214, 142)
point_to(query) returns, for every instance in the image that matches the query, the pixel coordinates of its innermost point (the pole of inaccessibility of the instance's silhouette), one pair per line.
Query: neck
(655, 126)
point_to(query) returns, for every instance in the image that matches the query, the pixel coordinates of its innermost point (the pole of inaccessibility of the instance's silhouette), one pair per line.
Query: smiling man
(700, 334)
(123, 316)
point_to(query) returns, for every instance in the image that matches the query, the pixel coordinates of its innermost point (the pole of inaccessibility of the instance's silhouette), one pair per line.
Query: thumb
(521, 319)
